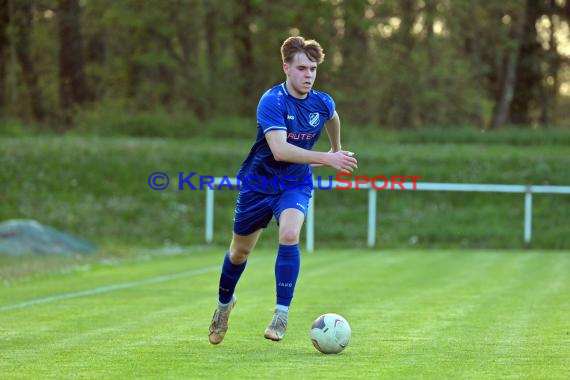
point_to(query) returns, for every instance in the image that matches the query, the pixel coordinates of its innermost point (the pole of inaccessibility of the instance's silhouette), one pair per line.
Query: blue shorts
(254, 210)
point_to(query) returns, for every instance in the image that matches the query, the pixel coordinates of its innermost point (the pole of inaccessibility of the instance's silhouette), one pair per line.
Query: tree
(528, 66)
(507, 89)
(4, 45)
(556, 13)
(354, 50)
(72, 85)
(243, 45)
(404, 113)
(22, 21)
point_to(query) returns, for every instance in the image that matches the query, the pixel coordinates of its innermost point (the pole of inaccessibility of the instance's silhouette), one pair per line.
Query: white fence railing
(528, 191)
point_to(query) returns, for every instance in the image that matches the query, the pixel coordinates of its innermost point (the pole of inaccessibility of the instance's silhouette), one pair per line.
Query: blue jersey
(302, 119)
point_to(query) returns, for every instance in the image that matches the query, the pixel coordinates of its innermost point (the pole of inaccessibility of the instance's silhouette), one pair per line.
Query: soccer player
(290, 118)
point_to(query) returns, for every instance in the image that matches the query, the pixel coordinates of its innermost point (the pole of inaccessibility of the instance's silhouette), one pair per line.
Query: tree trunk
(4, 45)
(354, 51)
(502, 108)
(549, 91)
(22, 28)
(244, 52)
(435, 112)
(72, 87)
(211, 26)
(475, 51)
(190, 44)
(96, 53)
(529, 73)
(405, 113)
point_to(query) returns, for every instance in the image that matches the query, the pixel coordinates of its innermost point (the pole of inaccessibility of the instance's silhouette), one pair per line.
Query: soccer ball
(330, 333)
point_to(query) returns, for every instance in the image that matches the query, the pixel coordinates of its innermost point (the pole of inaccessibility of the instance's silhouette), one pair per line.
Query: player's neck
(294, 93)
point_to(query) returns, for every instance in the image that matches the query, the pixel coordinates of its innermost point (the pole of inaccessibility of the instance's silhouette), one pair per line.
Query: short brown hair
(294, 45)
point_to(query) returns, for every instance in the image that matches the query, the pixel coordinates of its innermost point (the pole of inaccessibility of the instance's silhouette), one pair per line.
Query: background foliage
(408, 63)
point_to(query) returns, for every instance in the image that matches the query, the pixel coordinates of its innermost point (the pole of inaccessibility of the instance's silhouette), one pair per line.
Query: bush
(116, 119)
(16, 128)
(509, 136)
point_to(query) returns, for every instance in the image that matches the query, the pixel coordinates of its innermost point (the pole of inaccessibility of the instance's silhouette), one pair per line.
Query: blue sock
(286, 272)
(229, 279)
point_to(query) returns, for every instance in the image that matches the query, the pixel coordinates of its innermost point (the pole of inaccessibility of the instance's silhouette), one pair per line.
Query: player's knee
(289, 236)
(239, 254)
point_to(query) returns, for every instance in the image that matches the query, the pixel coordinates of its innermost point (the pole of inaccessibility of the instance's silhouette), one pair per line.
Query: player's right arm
(284, 151)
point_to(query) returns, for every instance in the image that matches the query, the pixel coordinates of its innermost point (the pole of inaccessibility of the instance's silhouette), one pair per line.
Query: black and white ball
(330, 333)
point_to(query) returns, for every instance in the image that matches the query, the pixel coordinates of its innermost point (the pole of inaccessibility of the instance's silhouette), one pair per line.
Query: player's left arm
(332, 127)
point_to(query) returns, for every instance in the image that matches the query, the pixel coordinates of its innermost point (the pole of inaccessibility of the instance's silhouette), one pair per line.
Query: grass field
(414, 314)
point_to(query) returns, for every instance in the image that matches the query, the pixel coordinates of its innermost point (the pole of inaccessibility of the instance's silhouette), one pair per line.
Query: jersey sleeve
(330, 104)
(270, 114)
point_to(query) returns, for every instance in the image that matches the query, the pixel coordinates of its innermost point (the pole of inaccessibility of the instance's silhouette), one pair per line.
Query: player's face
(301, 74)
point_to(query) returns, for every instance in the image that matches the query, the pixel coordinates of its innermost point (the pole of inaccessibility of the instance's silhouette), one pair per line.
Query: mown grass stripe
(110, 288)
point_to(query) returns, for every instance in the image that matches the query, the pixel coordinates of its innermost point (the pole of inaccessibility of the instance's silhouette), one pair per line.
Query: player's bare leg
(240, 248)
(290, 223)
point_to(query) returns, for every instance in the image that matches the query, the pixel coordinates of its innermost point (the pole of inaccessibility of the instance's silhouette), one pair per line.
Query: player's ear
(285, 68)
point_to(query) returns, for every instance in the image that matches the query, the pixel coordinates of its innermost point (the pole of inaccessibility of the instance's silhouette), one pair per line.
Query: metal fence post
(528, 215)
(311, 224)
(209, 215)
(371, 217)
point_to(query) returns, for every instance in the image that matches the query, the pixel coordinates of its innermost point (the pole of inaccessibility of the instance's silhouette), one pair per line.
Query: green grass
(414, 314)
(97, 189)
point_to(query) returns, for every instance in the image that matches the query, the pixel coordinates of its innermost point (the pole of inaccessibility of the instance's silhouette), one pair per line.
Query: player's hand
(343, 161)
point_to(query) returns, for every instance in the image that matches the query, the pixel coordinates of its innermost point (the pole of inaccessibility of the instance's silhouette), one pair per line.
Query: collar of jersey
(284, 87)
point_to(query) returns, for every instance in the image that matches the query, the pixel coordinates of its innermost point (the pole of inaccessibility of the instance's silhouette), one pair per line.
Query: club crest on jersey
(314, 119)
